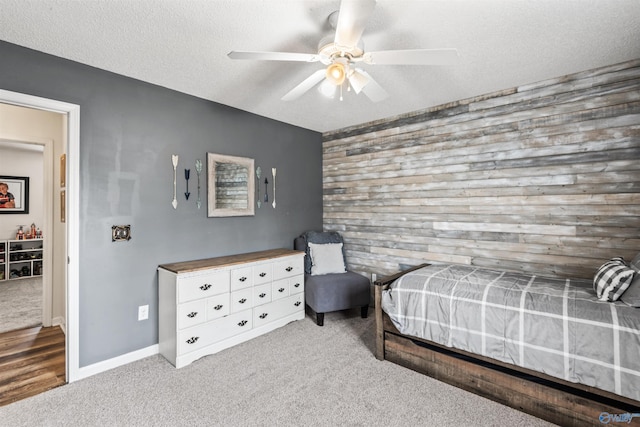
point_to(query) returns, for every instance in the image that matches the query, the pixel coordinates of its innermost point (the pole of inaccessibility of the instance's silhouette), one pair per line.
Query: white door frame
(72, 111)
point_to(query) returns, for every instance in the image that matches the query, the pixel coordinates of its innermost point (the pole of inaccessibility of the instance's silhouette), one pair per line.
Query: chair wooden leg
(320, 319)
(364, 311)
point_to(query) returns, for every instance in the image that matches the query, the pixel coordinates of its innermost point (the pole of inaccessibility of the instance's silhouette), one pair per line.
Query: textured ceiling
(182, 45)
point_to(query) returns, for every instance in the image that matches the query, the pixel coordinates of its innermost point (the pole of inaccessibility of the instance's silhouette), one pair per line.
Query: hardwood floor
(31, 361)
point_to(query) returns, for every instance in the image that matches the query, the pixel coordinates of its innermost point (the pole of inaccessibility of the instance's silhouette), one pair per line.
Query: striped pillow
(612, 279)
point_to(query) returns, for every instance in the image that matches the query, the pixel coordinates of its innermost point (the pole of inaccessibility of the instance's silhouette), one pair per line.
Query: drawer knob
(192, 314)
(281, 290)
(205, 287)
(297, 303)
(242, 301)
(297, 285)
(262, 295)
(192, 340)
(217, 307)
(242, 323)
(263, 274)
(289, 268)
(263, 315)
(242, 279)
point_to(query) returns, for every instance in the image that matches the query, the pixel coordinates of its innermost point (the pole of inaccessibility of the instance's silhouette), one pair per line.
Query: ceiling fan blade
(413, 57)
(274, 56)
(352, 19)
(307, 84)
(358, 80)
(372, 89)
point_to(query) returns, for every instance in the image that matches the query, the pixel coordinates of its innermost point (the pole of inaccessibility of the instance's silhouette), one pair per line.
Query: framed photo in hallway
(14, 194)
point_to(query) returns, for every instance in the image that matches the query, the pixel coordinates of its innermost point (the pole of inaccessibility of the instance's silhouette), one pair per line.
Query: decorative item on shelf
(273, 172)
(258, 173)
(198, 171)
(187, 172)
(32, 234)
(266, 192)
(20, 233)
(38, 234)
(174, 161)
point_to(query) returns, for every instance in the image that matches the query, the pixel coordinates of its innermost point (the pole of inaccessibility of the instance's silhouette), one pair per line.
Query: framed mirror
(230, 185)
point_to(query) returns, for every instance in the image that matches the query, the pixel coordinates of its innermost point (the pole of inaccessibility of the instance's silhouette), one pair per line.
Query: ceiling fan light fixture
(358, 81)
(328, 89)
(336, 73)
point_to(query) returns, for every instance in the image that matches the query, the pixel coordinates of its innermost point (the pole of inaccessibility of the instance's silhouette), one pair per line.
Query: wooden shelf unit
(22, 259)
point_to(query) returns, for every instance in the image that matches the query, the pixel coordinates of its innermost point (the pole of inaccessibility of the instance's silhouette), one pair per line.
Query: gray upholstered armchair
(326, 288)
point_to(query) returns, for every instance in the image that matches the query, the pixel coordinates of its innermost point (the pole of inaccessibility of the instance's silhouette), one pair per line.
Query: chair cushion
(332, 292)
(326, 258)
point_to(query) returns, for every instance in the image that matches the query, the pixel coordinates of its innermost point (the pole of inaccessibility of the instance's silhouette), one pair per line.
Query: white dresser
(212, 304)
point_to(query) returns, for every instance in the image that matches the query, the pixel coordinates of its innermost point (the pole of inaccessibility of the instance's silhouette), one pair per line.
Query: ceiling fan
(342, 52)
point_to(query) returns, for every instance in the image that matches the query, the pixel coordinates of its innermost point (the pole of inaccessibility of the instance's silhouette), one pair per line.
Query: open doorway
(23, 296)
(30, 139)
(70, 116)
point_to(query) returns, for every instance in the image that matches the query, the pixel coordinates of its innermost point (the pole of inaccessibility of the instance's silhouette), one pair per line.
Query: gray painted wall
(128, 132)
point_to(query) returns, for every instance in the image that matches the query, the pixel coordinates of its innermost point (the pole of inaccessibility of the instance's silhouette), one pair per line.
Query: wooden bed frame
(552, 399)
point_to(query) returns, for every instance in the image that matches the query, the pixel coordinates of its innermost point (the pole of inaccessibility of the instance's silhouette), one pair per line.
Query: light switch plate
(120, 233)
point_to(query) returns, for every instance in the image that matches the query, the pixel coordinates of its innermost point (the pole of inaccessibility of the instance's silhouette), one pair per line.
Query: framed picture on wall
(14, 194)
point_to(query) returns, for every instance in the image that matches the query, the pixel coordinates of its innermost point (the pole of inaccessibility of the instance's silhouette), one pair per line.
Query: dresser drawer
(193, 287)
(262, 273)
(277, 309)
(290, 266)
(262, 294)
(241, 278)
(208, 333)
(279, 289)
(218, 306)
(241, 300)
(191, 313)
(296, 284)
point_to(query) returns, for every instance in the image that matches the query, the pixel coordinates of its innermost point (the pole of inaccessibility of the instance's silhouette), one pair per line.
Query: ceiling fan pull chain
(341, 92)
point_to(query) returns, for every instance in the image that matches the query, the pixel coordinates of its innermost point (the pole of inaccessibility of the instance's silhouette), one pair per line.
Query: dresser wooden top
(224, 261)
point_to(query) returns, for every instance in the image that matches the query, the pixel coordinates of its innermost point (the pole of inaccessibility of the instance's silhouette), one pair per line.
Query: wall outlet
(143, 312)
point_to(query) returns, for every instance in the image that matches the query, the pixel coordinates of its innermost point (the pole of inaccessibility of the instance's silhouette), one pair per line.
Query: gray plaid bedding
(555, 326)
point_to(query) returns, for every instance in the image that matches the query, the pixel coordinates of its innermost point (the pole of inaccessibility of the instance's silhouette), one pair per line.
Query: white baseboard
(105, 365)
(59, 321)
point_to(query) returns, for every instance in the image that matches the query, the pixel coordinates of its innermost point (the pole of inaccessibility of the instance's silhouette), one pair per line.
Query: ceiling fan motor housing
(328, 50)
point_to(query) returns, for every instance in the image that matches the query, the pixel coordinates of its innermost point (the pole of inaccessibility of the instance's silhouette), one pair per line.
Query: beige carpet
(20, 304)
(299, 375)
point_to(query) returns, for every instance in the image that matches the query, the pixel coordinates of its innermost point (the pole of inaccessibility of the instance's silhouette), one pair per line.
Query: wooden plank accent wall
(541, 178)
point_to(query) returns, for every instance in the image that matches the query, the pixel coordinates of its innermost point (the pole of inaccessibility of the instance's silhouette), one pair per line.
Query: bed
(546, 346)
